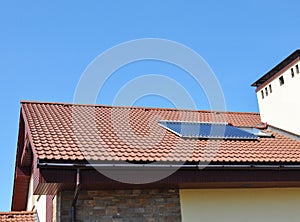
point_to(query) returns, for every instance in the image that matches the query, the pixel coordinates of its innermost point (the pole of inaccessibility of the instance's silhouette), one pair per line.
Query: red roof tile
(18, 216)
(84, 132)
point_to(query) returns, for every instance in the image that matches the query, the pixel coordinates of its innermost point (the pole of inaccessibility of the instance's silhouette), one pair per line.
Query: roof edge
(23, 121)
(284, 63)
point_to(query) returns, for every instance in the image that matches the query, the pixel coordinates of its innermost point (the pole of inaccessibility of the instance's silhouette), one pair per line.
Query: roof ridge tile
(136, 107)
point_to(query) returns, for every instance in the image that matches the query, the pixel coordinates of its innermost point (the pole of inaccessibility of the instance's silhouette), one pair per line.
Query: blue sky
(46, 46)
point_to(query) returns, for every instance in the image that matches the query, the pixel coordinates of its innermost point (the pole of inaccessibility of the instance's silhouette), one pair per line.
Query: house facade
(277, 92)
(106, 163)
(69, 168)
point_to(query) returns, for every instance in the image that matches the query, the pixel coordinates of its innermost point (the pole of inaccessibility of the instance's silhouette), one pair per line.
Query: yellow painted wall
(241, 205)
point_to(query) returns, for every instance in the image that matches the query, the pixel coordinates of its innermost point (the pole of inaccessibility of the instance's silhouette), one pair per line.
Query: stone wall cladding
(123, 205)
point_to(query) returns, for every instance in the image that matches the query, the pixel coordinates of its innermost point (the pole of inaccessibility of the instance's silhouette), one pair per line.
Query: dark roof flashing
(277, 68)
(284, 133)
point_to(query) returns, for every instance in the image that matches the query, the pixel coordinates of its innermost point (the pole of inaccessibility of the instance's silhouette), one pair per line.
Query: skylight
(207, 130)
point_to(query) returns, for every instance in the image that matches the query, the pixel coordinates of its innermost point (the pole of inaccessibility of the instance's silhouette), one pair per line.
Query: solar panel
(207, 130)
(256, 132)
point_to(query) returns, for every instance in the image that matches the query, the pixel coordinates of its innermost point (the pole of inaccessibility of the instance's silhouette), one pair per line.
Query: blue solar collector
(206, 130)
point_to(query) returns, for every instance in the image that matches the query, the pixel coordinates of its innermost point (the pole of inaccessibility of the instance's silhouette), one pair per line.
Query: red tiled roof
(18, 216)
(83, 132)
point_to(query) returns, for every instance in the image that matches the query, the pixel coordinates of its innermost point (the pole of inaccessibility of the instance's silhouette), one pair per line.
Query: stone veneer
(121, 205)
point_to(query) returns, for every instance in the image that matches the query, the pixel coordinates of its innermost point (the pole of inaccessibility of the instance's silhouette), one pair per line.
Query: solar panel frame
(206, 130)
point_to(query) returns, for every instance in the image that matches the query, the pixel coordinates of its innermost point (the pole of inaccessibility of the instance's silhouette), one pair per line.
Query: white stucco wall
(36, 202)
(30, 198)
(281, 108)
(236, 205)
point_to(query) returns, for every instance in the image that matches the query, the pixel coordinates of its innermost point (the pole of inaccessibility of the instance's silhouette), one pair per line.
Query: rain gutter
(167, 166)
